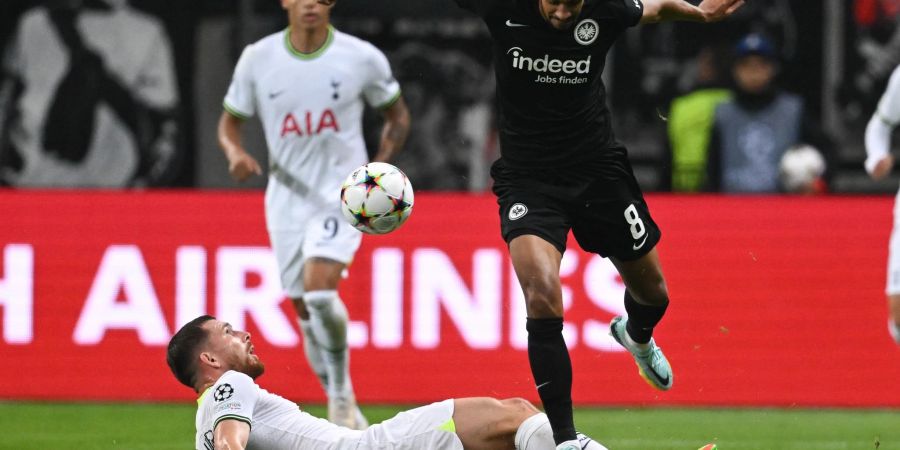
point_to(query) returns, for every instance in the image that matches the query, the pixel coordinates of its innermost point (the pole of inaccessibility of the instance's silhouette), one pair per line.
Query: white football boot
(651, 362)
(588, 443)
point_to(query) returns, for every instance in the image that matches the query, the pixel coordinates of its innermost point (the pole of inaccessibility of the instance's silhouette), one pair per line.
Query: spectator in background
(754, 130)
(879, 163)
(88, 98)
(690, 124)
(450, 94)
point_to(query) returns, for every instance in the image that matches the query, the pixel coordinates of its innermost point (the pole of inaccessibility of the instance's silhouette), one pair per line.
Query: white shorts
(325, 235)
(428, 427)
(893, 272)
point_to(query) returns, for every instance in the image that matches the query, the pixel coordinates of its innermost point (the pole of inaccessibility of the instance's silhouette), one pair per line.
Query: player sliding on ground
(234, 413)
(562, 169)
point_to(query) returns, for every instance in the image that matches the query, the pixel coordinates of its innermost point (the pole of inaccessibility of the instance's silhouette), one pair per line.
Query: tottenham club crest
(223, 392)
(586, 31)
(517, 211)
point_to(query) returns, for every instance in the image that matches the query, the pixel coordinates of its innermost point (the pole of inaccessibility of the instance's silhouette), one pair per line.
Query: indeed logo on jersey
(546, 65)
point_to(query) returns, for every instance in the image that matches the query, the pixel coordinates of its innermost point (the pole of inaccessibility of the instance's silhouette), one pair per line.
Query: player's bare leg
(484, 423)
(646, 300)
(644, 279)
(536, 263)
(894, 317)
(328, 320)
(487, 423)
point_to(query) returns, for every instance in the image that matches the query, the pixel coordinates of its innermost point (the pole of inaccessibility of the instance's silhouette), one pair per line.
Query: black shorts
(606, 213)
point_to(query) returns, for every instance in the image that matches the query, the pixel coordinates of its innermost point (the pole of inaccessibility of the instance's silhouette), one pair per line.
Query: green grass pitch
(27, 426)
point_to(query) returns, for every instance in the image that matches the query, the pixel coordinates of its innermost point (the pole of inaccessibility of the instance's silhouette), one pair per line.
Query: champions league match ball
(377, 198)
(801, 170)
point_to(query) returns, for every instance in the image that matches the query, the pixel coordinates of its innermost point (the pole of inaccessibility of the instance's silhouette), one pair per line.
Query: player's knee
(542, 298)
(520, 408)
(514, 412)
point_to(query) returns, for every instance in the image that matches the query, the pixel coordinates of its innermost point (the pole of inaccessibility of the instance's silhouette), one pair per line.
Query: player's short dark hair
(183, 349)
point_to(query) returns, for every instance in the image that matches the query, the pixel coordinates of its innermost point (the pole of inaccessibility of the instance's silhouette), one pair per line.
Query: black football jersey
(551, 100)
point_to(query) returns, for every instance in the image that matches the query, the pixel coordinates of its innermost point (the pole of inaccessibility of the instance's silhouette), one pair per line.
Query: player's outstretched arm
(706, 11)
(395, 131)
(240, 164)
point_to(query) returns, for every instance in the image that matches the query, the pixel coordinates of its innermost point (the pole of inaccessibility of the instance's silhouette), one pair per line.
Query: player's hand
(242, 166)
(883, 167)
(715, 10)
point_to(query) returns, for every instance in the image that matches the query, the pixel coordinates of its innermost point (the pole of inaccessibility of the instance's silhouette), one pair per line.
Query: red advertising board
(775, 301)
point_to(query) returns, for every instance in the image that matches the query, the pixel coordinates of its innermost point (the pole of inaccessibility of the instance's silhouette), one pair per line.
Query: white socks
(328, 326)
(535, 434)
(313, 352)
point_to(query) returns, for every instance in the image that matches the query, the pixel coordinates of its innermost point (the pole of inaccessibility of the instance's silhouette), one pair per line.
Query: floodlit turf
(26, 426)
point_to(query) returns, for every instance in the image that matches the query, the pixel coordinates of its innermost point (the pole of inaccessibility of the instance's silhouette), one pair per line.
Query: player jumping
(562, 169)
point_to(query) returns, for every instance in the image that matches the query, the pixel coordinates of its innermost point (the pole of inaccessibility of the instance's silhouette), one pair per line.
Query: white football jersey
(275, 422)
(311, 108)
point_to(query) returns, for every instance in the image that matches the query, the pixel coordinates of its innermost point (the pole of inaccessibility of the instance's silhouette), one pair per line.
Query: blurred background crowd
(126, 93)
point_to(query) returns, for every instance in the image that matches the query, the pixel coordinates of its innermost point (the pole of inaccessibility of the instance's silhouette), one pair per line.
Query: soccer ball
(376, 198)
(801, 169)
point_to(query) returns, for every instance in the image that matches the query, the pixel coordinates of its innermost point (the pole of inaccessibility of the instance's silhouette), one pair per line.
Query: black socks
(552, 371)
(642, 319)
